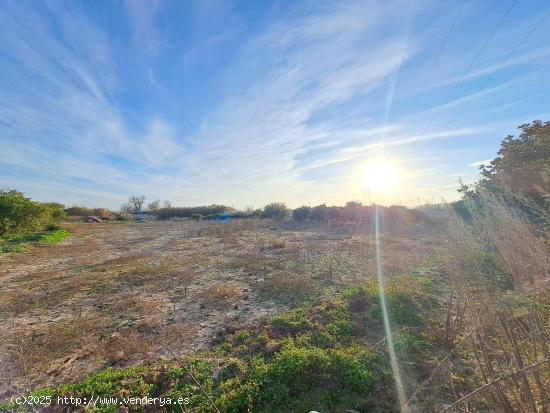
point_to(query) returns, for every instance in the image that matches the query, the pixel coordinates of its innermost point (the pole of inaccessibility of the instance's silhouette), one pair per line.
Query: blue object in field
(225, 217)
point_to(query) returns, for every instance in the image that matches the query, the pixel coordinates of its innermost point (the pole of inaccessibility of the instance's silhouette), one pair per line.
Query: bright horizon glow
(246, 103)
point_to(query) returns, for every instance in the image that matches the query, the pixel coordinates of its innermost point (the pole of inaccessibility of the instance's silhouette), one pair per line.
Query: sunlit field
(223, 206)
(96, 298)
(375, 311)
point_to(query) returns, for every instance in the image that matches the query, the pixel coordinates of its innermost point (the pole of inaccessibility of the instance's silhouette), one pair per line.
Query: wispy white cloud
(143, 15)
(300, 108)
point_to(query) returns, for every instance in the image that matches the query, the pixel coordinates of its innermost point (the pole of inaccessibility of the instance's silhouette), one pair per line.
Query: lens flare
(389, 339)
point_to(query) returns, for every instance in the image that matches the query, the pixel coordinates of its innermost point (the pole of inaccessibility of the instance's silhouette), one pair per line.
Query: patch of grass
(287, 286)
(54, 236)
(407, 297)
(23, 243)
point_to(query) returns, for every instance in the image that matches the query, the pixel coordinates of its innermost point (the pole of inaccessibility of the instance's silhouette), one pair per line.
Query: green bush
(301, 379)
(19, 215)
(291, 323)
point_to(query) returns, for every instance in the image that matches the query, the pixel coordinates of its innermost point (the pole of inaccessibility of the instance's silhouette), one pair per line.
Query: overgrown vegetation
(23, 222)
(102, 213)
(20, 215)
(498, 318)
(189, 212)
(355, 212)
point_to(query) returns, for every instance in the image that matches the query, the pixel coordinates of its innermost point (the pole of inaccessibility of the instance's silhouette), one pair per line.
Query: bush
(300, 214)
(302, 378)
(275, 210)
(81, 211)
(319, 213)
(19, 215)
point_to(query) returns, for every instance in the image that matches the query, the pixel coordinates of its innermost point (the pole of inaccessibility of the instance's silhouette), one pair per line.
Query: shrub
(300, 214)
(319, 213)
(275, 210)
(188, 212)
(291, 323)
(302, 378)
(82, 211)
(19, 215)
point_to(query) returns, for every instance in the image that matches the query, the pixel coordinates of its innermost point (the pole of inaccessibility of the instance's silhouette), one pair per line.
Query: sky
(250, 102)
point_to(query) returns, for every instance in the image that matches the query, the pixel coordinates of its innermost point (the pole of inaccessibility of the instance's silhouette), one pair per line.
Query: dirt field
(122, 294)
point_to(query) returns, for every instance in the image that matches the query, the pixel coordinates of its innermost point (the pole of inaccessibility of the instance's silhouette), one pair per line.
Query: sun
(380, 175)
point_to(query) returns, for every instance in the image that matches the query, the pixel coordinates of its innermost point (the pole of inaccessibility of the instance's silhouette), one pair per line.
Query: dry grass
(501, 331)
(74, 306)
(274, 244)
(34, 350)
(219, 295)
(525, 254)
(128, 344)
(287, 285)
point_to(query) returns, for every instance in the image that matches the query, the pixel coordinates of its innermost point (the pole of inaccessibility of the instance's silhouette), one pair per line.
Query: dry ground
(107, 294)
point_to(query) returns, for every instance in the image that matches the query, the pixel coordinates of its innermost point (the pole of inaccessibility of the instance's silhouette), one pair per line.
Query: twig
(180, 362)
(499, 379)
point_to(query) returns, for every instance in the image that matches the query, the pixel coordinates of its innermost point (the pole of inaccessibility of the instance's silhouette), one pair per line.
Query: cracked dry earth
(126, 294)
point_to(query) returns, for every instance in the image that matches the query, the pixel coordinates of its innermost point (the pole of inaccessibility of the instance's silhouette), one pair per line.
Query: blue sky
(249, 102)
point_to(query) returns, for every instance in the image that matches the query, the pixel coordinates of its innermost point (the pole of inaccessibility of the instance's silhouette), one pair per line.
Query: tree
(319, 213)
(126, 208)
(275, 210)
(523, 163)
(153, 207)
(519, 176)
(300, 214)
(136, 202)
(351, 211)
(167, 204)
(334, 212)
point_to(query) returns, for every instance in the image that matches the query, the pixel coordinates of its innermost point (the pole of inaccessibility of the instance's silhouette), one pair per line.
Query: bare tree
(126, 208)
(154, 206)
(136, 202)
(167, 204)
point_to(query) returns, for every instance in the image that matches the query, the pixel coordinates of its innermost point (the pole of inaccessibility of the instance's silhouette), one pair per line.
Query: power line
(428, 75)
(451, 28)
(506, 60)
(463, 76)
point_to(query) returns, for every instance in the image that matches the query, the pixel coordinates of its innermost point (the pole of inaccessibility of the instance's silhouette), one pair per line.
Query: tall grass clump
(499, 268)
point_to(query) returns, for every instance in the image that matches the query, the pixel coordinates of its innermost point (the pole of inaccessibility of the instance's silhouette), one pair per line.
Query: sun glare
(380, 175)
